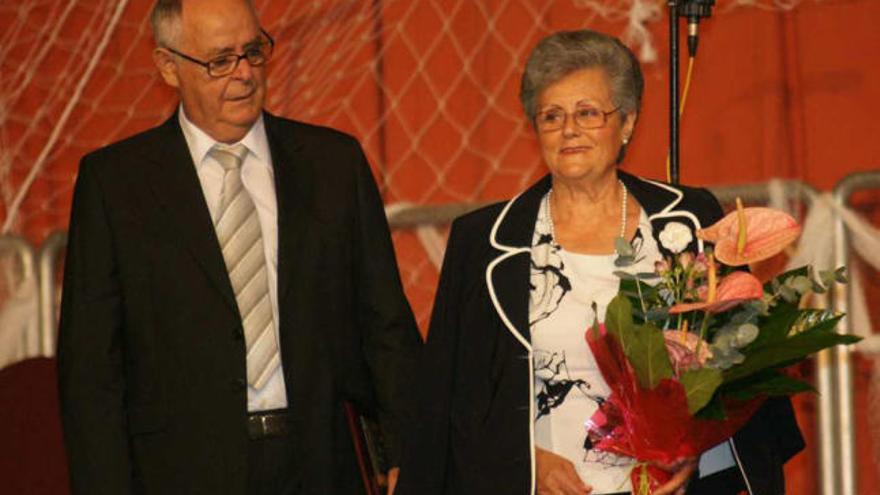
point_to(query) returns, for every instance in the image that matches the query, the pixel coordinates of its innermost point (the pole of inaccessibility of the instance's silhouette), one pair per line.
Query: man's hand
(393, 473)
(557, 476)
(682, 472)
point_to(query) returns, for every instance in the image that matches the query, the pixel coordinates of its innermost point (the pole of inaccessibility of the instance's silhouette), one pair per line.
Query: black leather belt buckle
(265, 424)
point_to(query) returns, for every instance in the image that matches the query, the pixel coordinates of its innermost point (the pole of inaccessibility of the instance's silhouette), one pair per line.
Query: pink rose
(682, 350)
(701, 264)
(685, 259)
(661, 267)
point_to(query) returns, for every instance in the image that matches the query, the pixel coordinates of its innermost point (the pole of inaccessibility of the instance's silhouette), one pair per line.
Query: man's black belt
(264, 424)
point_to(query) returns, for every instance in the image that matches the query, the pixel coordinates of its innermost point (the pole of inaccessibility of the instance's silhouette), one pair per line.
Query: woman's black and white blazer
(474, 432)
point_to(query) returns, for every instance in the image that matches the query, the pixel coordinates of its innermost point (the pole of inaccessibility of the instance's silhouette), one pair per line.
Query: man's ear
(163, 59)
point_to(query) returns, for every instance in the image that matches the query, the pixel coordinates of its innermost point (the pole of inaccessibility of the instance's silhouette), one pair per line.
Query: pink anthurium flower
(752, 234)
(734, 289)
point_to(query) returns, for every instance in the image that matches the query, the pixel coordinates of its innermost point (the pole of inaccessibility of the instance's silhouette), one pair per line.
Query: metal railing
(844, 448)
(49, 257)
(23, 257)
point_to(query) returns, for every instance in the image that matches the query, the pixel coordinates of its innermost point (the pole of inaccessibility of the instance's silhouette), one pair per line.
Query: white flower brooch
(675, 237)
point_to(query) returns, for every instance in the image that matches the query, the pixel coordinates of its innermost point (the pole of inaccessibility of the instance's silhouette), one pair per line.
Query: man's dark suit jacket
(472, 436)
(151, 349)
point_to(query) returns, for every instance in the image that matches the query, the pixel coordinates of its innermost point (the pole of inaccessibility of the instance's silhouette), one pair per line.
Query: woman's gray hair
(564, 52)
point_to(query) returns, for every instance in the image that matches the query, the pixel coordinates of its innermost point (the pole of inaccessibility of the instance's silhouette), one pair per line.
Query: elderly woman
(508, 379)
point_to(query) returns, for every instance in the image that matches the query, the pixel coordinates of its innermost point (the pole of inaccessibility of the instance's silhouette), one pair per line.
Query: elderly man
(230, 283)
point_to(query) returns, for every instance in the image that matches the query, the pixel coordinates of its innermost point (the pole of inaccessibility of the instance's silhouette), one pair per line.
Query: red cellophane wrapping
(652, 425)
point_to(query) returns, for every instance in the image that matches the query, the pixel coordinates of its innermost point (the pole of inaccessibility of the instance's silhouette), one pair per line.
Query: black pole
(673, 92)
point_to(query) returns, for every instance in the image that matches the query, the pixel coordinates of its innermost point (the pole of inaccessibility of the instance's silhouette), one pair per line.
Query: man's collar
(200, 143)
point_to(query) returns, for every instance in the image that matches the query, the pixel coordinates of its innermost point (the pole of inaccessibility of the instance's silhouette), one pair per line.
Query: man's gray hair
(564, 52)
(165, 21)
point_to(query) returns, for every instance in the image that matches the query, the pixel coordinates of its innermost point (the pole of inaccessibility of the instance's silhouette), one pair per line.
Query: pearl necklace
(623, 206)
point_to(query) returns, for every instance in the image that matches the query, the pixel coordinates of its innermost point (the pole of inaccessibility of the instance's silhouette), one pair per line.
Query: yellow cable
(684, 96)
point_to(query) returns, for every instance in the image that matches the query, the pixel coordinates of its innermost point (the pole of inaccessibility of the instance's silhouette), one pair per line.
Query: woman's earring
(625, 141)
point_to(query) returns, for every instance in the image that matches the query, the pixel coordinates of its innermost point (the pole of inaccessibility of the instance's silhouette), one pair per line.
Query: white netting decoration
(428, 86)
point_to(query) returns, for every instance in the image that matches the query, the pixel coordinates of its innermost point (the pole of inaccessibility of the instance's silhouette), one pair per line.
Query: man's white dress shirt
(258, 178)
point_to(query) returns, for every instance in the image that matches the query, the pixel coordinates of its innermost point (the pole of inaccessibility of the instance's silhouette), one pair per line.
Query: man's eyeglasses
(256, 55)
(584, 117)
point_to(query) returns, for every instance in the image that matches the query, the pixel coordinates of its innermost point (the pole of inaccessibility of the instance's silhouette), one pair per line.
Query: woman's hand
(557, 476)
(393, 473)
(681, 474)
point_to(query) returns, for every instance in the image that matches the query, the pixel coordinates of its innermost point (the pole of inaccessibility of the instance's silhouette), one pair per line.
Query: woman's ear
(628, 125)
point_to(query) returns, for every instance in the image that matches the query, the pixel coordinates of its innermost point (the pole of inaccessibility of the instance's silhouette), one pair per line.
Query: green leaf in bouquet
(775, 327)
(830, 277)
(650, 349)
(800, 284)
(767, 383)
(624, 275)
(594, 330)
(626, 254)
(724, 357)
(811, 318)
(790, 295)
(784, 385)
(624, 248)
(791, 349)
(619, 322)
(643, 345)
(747, 312)
(713, 410)
(773, 284)
(642, 297)
(735, 335)
(657, 314)
(699, 386)
(649, 357)
(631, 287)
(628, 286)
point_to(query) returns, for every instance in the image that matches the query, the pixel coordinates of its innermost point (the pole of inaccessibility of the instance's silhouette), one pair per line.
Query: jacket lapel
(507, 276)
(662, 204)
(650, 196)
(176, 186)
(293, 171)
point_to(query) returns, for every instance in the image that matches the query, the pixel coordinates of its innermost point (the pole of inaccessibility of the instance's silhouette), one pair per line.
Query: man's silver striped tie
(241, 239)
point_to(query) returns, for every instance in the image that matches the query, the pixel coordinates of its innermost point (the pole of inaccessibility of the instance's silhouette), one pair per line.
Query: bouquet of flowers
(691, 350)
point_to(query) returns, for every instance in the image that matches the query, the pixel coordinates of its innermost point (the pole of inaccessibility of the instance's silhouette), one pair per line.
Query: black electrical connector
(693, 11)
